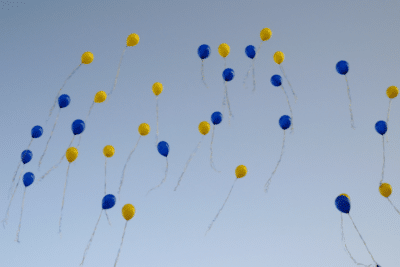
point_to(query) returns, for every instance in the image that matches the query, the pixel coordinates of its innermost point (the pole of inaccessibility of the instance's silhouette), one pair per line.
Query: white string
(291, 112)
(211, 156)
(383, 166)
(123, 172)
(266, 186)
(116, 78)
(122, 241)
(165, 177)
(48, 141)
(8, 209)
(20, 218)
(283, 72)
(91, 238)
(157, 120)
(387, 121)
(202, 72)
(62, 205)
(351, 113)
(393, 206)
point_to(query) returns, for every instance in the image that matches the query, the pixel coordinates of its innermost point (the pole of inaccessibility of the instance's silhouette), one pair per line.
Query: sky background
(295, 224)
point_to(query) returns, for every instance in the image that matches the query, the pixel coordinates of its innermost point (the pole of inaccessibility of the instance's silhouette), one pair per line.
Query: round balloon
(71, 154)
(28, 179)
(87, 58)
(265, 34)
(250, 51)
(228, 74)
(63, 101)
(241, 171)
(279, 57)
(157, 88)
(128, 211)
(385, 189)
(108, 201)
(285, 121)
(108, 151)
(36, 131)
(342, 204)
(392, 91)
(276, 80)
(78, 126)
(100, 97)
(381, 127)
(163, 148)
(223, 50)
(216, 117)
(26, 156)
(203, 51)
(204, 127)
(342, 67)
(132, 40)
(144, 129)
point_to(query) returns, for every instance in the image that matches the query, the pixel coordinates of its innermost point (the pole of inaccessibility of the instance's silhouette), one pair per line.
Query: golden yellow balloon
(392, 91)
(279, 57)
(157, 88)
(108, 151)
(132, 40)
(100, 96)
(241, 171)
(346, 195)
(223, 50)
(385, 189)
(204, 127)
(71, 154)
(87, 57)
(128, 211)
(144, 129)
(265, 34)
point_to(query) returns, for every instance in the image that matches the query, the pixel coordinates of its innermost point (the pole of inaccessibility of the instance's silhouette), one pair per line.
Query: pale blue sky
(295, 224)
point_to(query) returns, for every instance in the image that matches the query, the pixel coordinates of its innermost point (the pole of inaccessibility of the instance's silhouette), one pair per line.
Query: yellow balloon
(279, 57)
(346, 195)
(157, 88)
(241, 171)
(144, 129)
(71, 154)
(265, 34)
(128, 211)
(100, 96)
(385, 189)
(132, 40)
(87, 57)
(108, 151)
(204, 127)
(392, 91)
(223, 50)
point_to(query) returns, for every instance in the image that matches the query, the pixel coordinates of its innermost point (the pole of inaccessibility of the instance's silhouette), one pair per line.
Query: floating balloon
(391, 92)
(157, 90)
(204, 128)
(240, 172)
(386, 190)
(203, 51)
(108, 152)
(228, 75)
(223, 50)
(250, 53)
(276, 81)
(284, 122)
(216, 118)
(278, 58)
(381, 128)
(107, 203)
(36, 131)
(128, 211)
(342, 67)
(163, 149)
(28, 180)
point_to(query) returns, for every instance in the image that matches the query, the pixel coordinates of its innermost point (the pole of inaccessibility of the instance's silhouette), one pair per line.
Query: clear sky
(295, 224)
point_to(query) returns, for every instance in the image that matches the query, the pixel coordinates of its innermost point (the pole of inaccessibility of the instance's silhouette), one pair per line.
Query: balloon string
(202, 72)
(254, 78)
(393, 206)
(123, 172)
(283, 72)
(55, 101)
(387, 121)
(266, 186)
(224, 63)
(187, 163)
(348, 92)
(165, 177)
(91, 238)
(9, 205)
(383, 166)
(229, 105)
(291, 112)
(108, 219)
(252, 67)
(247, 75)
(116, 78)
(157, 120)
(16, 171)
(105, 187)
(90, 110)
(209, 227)
(211, 149)
(122, 241)
(62, 205)
(20, 218)
(48, 141)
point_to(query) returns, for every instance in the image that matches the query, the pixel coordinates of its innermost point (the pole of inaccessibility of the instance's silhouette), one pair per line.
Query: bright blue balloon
(342, 67)
(28, 179)
(285, 121)
(108, 201)
(381, 127)
(228, 74)
(250, 51)
(216, 117)
(342, 204)
(204, 51)
(63, 101)
(26, 156)
(78, 126)
(276, 80)
(36, 131)
(163, 148)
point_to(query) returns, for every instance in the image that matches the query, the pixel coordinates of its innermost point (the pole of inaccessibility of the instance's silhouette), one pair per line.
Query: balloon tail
(122, 241)
(157, 120)
(90, 241)
(211, 149)
(284, 75)
(116, 77)
(290, 107)
(187, 163)
(123, 172)
(62, 205)
(20, 218)
(79, 142)
(90, 110)
(229, 106)
(266, 186)
(393, 206)
(348, 93)
(13, 180)
(209, 227)
(108, 219)
(387, 121)
(254, 79)
(202, 72)
(258, 49)
(9, 205)
(48, 141)
(247, 75)
(224, 62)
(383, 165)
(165, 178)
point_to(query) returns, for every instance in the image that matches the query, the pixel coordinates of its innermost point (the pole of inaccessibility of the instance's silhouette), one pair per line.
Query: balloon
(228, 74)
(265, 34)
(100, 97)
(392, 91)
(204, 127)
(250, 51)
(26, 156)
(241, 171)
(163, 148)
(87, 58)
(381, 127)
(216, 117)
(279, 57)
(223, 50)
(132, 40)
(78, 126)
(276, 80)
(157, 88)
(144, 129)
(346, 195)
(342, 204)
(63, 101)
(108, 151)
(385, 189)
(285, 121)
(204, 51)
(28, 179)
(36, 131)
(71, 154)
(342, 67)
(108, 201)
(128, 211)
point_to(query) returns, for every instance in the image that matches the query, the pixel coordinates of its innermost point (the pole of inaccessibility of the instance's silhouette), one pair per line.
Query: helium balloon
(204, 127)
(250, 53)
(223, 50)
(128, 211)
(278, 58)
(87, 58)
(386, 190)
(216, 119)
(381, 128)
(26, 156)
(157, 89)
(391, 92)
(36, 131)
(28, 180)
(228, 75)
(78, 126)
(342, 67)
(203, 51)
(265, 35)
(276, 81)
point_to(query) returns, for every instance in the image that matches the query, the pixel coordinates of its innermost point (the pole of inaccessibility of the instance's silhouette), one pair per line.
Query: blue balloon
(342, 67)
(28, 179)
(285, 121)
(216, 117)
(36, 131)
(163, 148)
(250, 51)
(108, 201)
(203, 51)
(63, 101)
(276, 80)
(381, 127)
(78, 126)
(342, 204)
(228, 74)
(26, 156)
